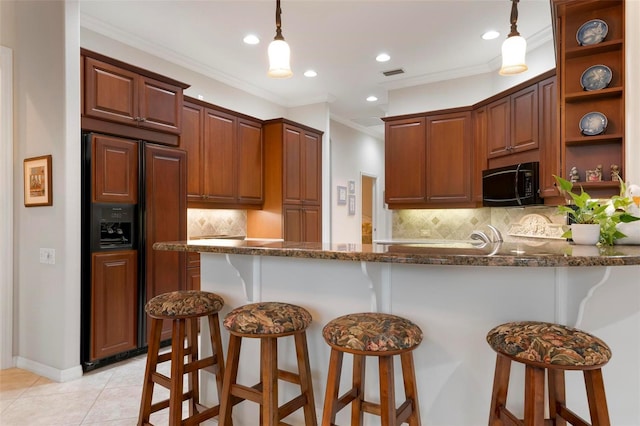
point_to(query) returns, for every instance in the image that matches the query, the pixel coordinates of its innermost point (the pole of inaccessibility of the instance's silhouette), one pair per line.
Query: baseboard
(54, 374)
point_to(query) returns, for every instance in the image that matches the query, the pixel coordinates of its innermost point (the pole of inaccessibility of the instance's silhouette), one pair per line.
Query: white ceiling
(431, 40)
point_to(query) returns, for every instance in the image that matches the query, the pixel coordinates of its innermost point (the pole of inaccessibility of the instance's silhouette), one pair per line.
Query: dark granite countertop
(524, 253)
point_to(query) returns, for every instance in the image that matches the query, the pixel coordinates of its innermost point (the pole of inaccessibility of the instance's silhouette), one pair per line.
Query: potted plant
(595, 220)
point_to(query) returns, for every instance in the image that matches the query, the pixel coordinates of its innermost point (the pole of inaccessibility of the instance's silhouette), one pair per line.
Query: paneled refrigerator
(133, 194)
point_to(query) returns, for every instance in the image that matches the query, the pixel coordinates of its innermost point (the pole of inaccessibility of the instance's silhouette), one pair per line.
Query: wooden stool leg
(216, 350)
(500, 389)
(304, 371)
(387, 391)
(557, 396)
(269, 367)
(193, 382)
(230, 377)
(533, 396)
(152, 364)
(410, 387)
(358, 376)
(331, 396)
(177, 371)
(596, 397)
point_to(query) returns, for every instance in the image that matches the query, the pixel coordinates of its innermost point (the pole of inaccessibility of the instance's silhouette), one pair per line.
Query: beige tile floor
(107, 396)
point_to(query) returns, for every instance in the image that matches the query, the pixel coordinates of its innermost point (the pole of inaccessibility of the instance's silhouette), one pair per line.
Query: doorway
(368, 185)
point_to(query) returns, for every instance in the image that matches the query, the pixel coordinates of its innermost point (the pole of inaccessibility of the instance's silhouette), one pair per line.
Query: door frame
(6, 215)
(374, 204)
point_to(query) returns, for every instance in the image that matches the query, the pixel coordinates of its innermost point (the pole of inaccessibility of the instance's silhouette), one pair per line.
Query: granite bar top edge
(520, 254)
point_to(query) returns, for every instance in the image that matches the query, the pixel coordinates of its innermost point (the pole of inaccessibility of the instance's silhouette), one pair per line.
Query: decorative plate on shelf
(596, 77)
(593, 123)
(592, 32)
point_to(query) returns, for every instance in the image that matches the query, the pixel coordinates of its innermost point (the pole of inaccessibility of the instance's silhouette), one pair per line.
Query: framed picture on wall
(352, 205)
(342, 195)
(352, 187)
(37, 181)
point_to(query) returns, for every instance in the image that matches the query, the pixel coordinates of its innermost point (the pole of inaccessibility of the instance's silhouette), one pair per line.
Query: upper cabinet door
(250, 185)
(219, 142)
(110, 92)
(292, 173)
(191, 141)
(498, 128)
(449, 151)
(524, 119)
(311, 160)
(114, 167)
(405, 157)
(160, 105)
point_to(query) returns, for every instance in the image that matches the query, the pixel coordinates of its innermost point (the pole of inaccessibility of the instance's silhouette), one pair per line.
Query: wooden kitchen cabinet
(428, 160)
(549, 141)
(165, 175)
(292, 207)
(405, 165)
(513, 123)
(608, 147)
(193, 271)
(114, 170)
(114, 303)
(225, 157)
(122, 94)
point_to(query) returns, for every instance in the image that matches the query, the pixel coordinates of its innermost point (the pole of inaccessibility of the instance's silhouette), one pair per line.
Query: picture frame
(352, 205)
(352, 187)
(38, 187)
(342, 195)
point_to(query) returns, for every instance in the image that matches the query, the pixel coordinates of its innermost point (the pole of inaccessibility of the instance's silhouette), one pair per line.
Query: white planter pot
(586, 234)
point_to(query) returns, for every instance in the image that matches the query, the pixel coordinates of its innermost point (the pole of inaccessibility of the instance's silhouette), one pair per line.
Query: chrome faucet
(496, 236)
(480, 236)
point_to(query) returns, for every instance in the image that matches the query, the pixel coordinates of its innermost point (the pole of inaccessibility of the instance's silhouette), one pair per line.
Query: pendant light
(514, 47)
(279, 52)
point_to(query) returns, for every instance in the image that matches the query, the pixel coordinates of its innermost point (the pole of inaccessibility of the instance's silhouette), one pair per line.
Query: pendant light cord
(278, 22)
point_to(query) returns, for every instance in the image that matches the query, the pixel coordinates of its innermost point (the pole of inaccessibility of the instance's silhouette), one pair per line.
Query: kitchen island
(456, 292)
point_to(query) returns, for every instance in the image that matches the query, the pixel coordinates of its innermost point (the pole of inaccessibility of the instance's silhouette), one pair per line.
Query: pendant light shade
(279, 52)
(514, 48)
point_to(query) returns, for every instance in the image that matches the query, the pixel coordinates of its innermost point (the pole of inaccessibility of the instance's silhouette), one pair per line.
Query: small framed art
(342, 195)
(37, 181)
(352, 187)
(352, 205)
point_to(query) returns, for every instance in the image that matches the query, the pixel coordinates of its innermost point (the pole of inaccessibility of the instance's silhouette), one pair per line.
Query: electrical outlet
(48, 255)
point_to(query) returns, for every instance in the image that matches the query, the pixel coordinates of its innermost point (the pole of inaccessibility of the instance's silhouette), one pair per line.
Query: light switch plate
(48, 255)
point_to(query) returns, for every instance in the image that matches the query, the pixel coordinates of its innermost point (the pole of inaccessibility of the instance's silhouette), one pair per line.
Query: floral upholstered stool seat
(268, 321)
(553, 348)
(183, 309)
(383, 336)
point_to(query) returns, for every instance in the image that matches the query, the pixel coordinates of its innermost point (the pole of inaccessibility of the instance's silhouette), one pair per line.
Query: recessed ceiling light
(490, 35)
(383, 57)
(371, 98)
(251, 39)
(310, 73)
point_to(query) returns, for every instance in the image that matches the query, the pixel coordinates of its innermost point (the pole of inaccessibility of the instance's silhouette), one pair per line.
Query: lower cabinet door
(114, 303)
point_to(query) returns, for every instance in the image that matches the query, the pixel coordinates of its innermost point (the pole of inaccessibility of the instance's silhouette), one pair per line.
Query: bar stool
(183, 308)
(268, 321)
(383, 336)
(553, 348)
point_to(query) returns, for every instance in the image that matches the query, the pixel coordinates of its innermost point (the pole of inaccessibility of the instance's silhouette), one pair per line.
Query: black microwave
(516, 185)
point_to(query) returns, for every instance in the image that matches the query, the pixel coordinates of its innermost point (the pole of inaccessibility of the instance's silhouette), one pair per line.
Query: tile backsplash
(208, 222)
(457, 224)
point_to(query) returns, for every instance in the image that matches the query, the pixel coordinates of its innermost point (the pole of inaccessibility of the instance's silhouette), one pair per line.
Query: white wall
(466, 91)
(353, 153)
(46, 111)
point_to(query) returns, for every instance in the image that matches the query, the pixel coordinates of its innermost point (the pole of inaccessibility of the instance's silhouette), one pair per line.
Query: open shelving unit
(607, 148)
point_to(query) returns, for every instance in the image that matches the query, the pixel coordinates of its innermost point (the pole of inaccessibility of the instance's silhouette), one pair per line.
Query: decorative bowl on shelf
(592, 32)
(596, 77)
(593, 123)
